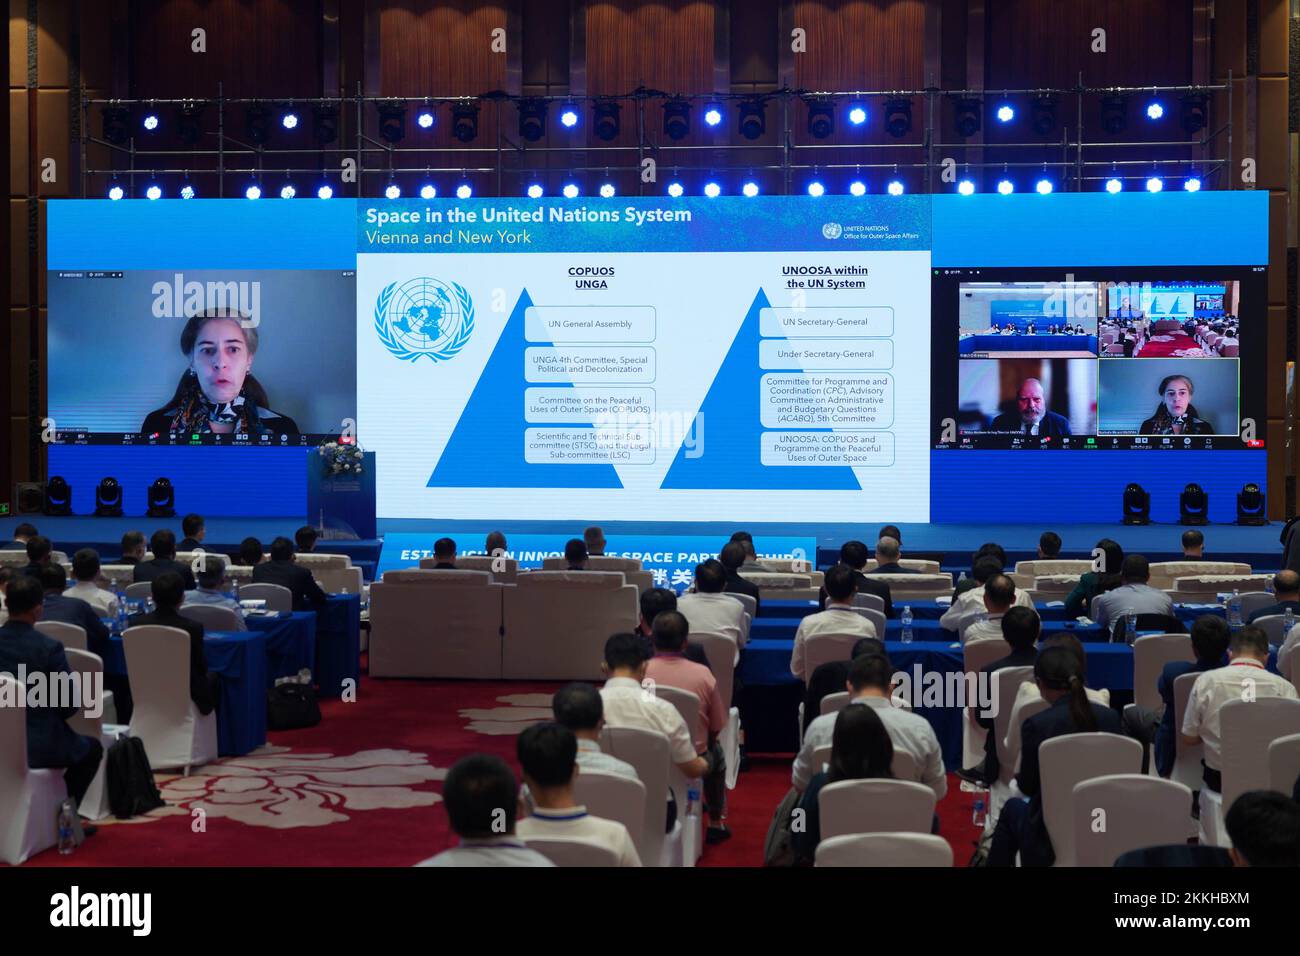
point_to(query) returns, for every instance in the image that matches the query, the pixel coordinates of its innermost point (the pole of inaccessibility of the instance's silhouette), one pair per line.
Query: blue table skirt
(240, 658)
(290, 642)
(1042, 342)
(338, 644)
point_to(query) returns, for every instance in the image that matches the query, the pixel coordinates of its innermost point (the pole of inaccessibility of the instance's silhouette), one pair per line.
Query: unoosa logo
(832, 230)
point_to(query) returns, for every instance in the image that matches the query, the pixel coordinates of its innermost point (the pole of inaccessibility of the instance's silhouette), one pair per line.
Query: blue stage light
(1114, 185)
(464, 191)
(1192, 185)
(425, 119)
(607, 190)
(289, 120)
(535, 191)
(151, 122)
(713, 115)
(675, 189)
(570, 191)
(1006, 113)
(749, 189)
(325, 191)
(895, 188)
(966, 187)
(1006, 187)
(1155, 184)
(815, 188)
(253, 192)
(187, 191)
(857, 115)
(1044, 187)
(392, 191)
(428, 191)
(857, 188)
(287, 191)
(1155, 110)
(154, 191)
(115, 192)
(712, 190)
(569, 117)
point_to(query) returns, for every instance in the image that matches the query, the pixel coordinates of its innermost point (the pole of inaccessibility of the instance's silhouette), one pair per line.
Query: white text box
(827, 321)
(589, 323)
(825, 354)
(568, 446)
(614, 365)
(587, 406)
(844, 400)
(824, 449)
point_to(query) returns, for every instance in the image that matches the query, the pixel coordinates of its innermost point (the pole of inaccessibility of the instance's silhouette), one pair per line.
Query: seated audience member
(732, 557)
(1264, 827)
(22, 534)
(861, 749)
(578, 706)
(1247, 662)
(305, 539)
(168, 593)
(575, 554)
(548, 755)
(670, 668)
(999, 597)
(70, 609)
(840, 617)
(990, 549)
(854, 554)
(482, 800)
(1093, 583)
(444, 554)
(831, 677)
(965, 583)
(887, 555)
(709, 609)
(250, 552)
(282, 570)
(1020, 827)
(891, 531)
(870, 677)
(746, 541)
(39, 554)
(195, 530)
(1286, 589)
(594, 539)
(494, 545)
(6, 575)
(1134, 595)
(655, 601)
(132, 548)
(1049, 546)
(211, 590)
(163, 545)
(51, 743)
(1193, 546)
(85, 574)
(970, 603)
(1029, 692)
(1019, 628)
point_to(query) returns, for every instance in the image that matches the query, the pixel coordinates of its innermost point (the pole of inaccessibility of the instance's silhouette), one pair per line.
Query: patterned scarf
(194, 413)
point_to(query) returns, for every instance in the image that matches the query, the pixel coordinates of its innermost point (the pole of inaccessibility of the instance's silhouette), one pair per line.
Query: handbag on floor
(291, 705)
(129, 778)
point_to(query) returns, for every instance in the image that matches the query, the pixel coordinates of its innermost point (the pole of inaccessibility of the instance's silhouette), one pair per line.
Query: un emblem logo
(832, 230)
(424, 317)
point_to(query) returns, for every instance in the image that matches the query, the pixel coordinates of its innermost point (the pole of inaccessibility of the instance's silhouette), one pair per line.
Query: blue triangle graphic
(733, 431)
(487, 448)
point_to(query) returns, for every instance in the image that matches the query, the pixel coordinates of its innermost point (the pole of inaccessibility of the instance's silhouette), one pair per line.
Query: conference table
(1042, 342)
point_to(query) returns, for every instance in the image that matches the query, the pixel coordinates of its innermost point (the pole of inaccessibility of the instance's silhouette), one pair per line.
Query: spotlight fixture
(1114, 113)
(535, 191)
(325, 122)
(189, 122)
(821, 117)
(677, 118)
(750, 189)
(966, 116)
(150, 122)
(966, 188)
(532, 118)
(675, 189)
(324, 191)
(857, 115)
(392, 120)
(253, 191)
(1155, 184)
(187, 192)
(425, 118)
(58, 497)
(570, 191)
(1155, 110)
(464, 120)
(464, 191)
(153, 191)
(257, 124)
(392, 191)
(898, 116)
(751, 117)
(289, 119)
(1043, 187)
(712, 114)
(1250, 505)
(161, 499)
(1006, 113)
(605, 121)
(1137, 504)
(1042, 113)
(287, 191)
(569, 116)
(815, 188)
(108, 499)
(895, 188)
(117, 124)
(607, 190)
(1195, 113)
(1192, 184)
(1006, 187)
(115, 191)
(857, 188)
(1193, 505)
(428, 191)
(712, 190)
(1114, 185)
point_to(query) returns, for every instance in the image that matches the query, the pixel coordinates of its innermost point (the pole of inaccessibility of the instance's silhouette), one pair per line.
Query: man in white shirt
(578, 706)
(838, 618)
(548, 754)
(999, 597)
(870, 677)
(482, 801)
(1133, 595)
(1246, 677)
(970, 604)
(708, 609)
(85, 572)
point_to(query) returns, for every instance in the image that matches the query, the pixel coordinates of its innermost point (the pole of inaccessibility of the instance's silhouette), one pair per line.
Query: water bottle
(1130, 626)
(1288, 622)
(977, 816)
(906, 618)
(236, 584)
(1234, 609)
(67, 837)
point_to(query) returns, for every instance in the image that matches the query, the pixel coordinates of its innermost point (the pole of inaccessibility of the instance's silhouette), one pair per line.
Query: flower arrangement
(342, 459)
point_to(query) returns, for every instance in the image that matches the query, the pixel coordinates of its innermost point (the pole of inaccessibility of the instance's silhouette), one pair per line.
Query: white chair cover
(277, 596)
(875, 806)
(94, 805)
(213, 617)
(1070, 759)
(1273, 626)
(1252, 601)
(71, 636)
(722, 655)
(824, 648)
(173, 731)
(29, 799)
(1121, 812)
(750, 602)
(614, 797)
(1187, 760)
(647, 751)
(1150, 655)
(1248, 728)
(503, 570)
(572, 852)
(436, 623)
(140, 590)
(974, 657)
(1284, 763)
(834, 703)
(557, 622)
(884, 849)
(872, 602)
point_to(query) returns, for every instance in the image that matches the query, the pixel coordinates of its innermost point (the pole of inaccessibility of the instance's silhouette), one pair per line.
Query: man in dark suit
(39, 550)
(22, 534)
(51, 743)
(1031, 416)
(163, 546)
(71, 610)
(832, 677)
(854, 554)
(444, 555)
(194, 529)
(733, 555)
(282, 570)
(132, 548)
(1193, 546)
(305, 539)
(1286, 588)
(168, 593)
(887, 554)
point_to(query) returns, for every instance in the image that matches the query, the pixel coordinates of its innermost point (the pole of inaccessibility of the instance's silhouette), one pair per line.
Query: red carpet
(361, 789)
(1173, 344)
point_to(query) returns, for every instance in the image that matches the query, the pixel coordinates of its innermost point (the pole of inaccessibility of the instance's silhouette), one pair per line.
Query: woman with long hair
(1176, 415)
(217, 392)
(1092, 583)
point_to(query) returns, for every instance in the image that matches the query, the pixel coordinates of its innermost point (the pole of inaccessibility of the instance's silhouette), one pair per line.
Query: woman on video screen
(217, 393)
(1176, 415)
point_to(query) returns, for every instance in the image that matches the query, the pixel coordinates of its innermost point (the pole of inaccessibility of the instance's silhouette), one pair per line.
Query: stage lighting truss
(966, 116)
(464, 120)
(751, 117)
(821, 116)
(677, 118)
(1042, 112)
(532, 118)
(898, 116)
(392, 121)
(605, 119)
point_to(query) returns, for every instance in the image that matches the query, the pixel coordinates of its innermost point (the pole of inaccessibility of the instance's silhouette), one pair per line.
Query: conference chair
(29, 799)
(1069, 760)
(597, 562)
(69, 635)
(875, 806)
(1284, 763)
(333, 572)
(503, 570)
(1041, 566)
(1248, 728)
(750, 602)
(648, 752)
(872, 602)
(688, 705)
(139, 591)
(884, 849)
(213, 617)
(1117, 813)
(444, 623)
(1252, 601)
(277, 596)
(173, 731)
(614, 797)
(1205, 588)
(115, 577)
(723, 655)
(924, 586)
(1006, 685)
(1273, 626)
(1055, 587)
(556, 623)
(572, 852)
(1187, 760)
(94, 805)
(774, 586)
(903, 766)
(824, 648)
(834, 703)
(920, 565)
(975, 657)
(1150, 655)
(877, 619)
(1162, 623)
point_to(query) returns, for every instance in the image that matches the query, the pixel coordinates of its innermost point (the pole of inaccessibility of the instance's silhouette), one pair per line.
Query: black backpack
(131, 790)
(291, 705)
